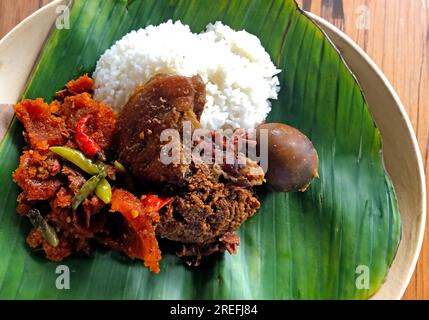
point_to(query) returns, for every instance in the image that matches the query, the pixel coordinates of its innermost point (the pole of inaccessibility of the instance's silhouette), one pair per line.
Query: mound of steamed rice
(239, 74)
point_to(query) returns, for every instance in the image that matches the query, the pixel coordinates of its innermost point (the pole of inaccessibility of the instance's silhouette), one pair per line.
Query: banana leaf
(311, 245)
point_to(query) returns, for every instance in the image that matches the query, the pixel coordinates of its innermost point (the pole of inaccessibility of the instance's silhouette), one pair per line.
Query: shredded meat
(193, 253)
(249, 174)
(206, 210)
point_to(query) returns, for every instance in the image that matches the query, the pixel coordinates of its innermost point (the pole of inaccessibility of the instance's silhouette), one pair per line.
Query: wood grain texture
(14, 11)
(395, 33)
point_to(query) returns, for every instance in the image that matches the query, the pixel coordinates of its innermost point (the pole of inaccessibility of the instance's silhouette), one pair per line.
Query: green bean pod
(119, 167)
(76, 157)
(88, 187)
(47, 231)
(104, 191)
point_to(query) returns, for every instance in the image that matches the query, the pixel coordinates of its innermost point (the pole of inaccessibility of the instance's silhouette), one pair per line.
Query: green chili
(104, 191)
(88, 187)
(119, 167)
(125, 176)
(78, 158)
(47, 231)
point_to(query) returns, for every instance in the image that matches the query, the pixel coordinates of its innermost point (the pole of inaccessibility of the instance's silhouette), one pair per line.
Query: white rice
(239, 74)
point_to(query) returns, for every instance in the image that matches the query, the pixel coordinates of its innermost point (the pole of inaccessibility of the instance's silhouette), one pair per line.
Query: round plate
(19, 51)
(401, 156)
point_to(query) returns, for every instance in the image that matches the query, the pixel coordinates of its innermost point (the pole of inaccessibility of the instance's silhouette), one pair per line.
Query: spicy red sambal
(67, 183)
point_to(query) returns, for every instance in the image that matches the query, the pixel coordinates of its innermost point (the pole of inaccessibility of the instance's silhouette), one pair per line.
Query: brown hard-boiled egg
(292, 158)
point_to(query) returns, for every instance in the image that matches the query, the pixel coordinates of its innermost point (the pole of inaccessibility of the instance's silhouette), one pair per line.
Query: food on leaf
(42, 128)
(292, 159)
(140, 219)
(103, 174)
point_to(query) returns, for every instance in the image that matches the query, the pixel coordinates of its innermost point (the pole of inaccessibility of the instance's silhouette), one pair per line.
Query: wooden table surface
(395, 33)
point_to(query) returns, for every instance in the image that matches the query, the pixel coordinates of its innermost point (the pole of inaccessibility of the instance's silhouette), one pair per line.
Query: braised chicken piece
(205, 214)
(165, 102)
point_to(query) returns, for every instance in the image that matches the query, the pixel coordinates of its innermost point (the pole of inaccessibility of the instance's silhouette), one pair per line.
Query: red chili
(154, 203)
(85, 142)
